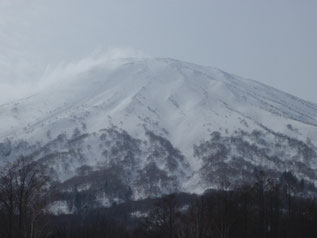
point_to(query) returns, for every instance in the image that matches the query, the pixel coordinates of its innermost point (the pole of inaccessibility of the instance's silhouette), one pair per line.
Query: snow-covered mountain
(143, 127)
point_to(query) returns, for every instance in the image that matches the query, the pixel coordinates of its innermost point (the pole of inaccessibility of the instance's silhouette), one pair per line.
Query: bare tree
(7, 198)
(162, 219)
(24, 195)
(196, 223)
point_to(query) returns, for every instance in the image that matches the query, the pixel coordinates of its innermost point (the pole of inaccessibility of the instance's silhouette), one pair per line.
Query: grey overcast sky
(271, 41)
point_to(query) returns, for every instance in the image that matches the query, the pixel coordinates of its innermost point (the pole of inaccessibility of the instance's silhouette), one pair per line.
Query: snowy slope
(181, 102)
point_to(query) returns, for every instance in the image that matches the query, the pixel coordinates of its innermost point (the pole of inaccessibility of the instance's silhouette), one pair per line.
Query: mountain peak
(170, 111)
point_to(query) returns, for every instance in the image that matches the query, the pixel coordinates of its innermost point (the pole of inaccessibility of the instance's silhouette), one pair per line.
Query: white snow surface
(183, 102)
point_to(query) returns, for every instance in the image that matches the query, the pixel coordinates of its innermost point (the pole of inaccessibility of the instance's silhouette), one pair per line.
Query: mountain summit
(132, 128)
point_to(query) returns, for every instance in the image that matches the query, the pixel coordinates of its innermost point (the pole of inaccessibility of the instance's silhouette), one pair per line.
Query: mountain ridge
(182, 126)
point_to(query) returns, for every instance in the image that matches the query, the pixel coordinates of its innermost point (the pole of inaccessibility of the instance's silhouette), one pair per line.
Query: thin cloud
(48, 75)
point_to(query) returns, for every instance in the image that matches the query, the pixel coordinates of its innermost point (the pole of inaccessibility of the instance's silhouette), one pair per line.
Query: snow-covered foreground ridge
(153, 126)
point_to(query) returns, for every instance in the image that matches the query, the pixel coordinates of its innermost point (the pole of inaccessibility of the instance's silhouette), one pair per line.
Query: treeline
(265, 209)
(285, 207)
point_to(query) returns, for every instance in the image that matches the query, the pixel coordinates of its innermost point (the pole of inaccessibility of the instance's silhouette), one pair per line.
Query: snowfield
(163, 125)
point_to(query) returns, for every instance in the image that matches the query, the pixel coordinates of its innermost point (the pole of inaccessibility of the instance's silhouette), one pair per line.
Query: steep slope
(166, 113)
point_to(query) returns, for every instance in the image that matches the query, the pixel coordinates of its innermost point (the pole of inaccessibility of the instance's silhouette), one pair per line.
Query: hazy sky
(271, 41)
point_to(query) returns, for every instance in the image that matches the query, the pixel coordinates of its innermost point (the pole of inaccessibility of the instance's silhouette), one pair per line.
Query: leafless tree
(23, 196)
(162, 219)
(196, 223)
(7, 198)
